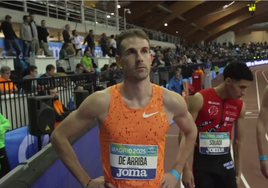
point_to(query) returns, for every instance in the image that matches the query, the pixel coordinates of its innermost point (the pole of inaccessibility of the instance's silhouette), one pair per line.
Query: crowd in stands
(35, 38)
(198, 53)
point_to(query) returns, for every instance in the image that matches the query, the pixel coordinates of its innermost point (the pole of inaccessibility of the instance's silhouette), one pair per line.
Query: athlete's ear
(152, 57)
(118, 60)
(228, 80)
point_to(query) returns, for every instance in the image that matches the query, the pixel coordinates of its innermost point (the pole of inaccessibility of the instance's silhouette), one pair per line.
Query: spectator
(113, 67)
(86, 61)
(30, 85)
(216, 69)
(7, 87)
(79, 68)
(104, 44)
(10, 36)
(42, 36)
(156, 61)
(4, 162)
(65, 52)
(176, 83)
(63, 64)
(90, 42)
(105, 68)
(199, 70)
(113, 46)
(35, 46)
(77, 43)
(71, 105)
(26, 36)
(61, 112)
(50, 71)
(67, 39)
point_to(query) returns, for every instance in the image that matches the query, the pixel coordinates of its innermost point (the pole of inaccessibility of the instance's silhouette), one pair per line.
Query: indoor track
(252, 177)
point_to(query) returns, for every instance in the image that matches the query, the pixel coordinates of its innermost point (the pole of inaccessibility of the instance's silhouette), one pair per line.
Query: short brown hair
(50, 67)
(128, 34)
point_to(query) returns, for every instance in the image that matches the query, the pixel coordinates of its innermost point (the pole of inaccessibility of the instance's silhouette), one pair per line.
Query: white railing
(76, 12)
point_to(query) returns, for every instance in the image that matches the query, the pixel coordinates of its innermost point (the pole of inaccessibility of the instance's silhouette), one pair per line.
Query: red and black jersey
(217, 115)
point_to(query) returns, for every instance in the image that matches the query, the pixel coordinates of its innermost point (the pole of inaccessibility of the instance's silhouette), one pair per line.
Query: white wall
(254, 36)
(59, 24)
(227, 37)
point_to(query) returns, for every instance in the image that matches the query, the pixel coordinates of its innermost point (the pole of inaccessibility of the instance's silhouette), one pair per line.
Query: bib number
(211, 143)
(136, 162)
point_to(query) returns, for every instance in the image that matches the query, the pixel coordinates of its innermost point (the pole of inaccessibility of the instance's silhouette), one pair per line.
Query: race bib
(211, 143)
(138, 162)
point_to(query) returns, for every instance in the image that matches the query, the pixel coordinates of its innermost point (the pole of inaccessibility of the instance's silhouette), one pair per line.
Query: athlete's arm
(238, 141)
(262, 124)
(178, 107)
(195, 104)
(91, 108)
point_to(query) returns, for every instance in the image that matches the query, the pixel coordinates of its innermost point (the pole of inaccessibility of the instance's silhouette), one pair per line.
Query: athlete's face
(135, 59)
(237, 89)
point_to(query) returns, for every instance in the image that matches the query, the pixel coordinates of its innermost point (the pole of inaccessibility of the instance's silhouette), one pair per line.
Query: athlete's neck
(137, 91)
(222, 91)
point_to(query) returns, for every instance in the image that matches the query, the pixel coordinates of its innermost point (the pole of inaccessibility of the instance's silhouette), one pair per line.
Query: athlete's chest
(128, 125)
(217, 113)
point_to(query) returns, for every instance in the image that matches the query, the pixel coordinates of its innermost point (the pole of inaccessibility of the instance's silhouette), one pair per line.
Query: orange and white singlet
(133, 141)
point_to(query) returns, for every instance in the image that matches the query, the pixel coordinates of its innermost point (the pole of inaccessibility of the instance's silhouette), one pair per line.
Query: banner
(257, 62)
(20, 145)
(87, 150)
(54, 46)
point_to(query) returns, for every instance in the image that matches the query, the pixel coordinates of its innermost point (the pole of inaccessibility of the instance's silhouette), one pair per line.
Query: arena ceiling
(193, 21)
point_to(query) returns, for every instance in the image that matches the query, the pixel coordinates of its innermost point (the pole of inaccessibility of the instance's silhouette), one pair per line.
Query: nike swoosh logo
(148, 115)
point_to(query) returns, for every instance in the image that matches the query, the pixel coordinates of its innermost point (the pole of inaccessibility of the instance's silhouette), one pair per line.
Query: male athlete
(215, 111)
(133, 120)
(261, 136)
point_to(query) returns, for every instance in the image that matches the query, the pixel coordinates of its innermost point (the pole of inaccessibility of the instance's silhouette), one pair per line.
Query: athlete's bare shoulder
(195, 101)
(173, 101)
(170, 96)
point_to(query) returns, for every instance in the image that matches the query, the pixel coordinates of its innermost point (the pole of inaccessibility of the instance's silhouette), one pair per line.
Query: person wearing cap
(10, 36)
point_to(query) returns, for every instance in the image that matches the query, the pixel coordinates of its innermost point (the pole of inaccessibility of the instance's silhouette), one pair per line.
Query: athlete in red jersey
(215, 111)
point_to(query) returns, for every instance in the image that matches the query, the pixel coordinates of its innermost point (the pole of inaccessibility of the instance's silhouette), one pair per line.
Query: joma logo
(131, 173)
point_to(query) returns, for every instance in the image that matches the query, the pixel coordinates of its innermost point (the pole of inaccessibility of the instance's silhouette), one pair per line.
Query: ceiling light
(177, 31)
(112, 14)
(165, 24)
(118, 6)
(108, 16)
(226, 6)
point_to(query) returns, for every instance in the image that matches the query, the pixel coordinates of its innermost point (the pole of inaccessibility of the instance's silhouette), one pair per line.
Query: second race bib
(211, 143)
(133, 161)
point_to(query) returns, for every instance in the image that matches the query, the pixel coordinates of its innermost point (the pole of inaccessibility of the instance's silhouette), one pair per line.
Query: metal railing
(14, 98)
(78, 13)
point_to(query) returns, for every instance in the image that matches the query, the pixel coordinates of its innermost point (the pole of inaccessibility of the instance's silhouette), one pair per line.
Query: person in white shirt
(113, 45)
(77, 42)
